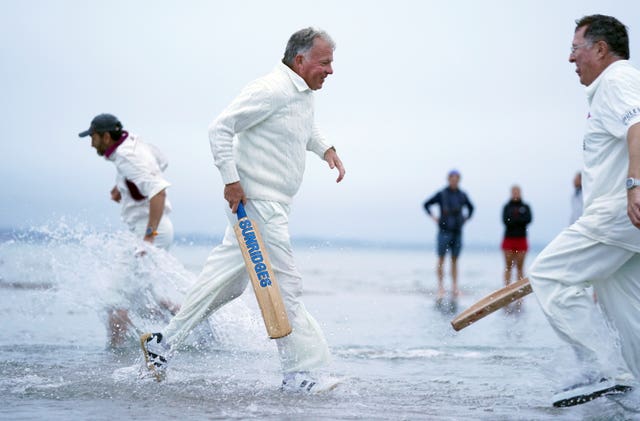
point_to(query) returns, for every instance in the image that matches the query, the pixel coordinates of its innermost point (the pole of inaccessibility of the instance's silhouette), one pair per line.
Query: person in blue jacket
(451, 219)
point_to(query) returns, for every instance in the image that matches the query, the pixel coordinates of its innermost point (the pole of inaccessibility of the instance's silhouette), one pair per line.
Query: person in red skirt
(516, 215)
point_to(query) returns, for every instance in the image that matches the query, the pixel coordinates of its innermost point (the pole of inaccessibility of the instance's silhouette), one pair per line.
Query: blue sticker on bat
(253, 248)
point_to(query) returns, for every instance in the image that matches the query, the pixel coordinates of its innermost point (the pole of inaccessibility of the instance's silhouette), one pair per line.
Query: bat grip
(241, 212)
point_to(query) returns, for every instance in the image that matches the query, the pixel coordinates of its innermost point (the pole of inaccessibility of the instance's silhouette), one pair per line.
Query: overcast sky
(419, 87)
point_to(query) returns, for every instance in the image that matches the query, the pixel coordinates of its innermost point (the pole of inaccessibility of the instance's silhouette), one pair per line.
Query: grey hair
(607, 29)
(302, 41)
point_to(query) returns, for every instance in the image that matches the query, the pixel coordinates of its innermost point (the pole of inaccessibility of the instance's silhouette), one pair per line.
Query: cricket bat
(262, 278)
(492, 302)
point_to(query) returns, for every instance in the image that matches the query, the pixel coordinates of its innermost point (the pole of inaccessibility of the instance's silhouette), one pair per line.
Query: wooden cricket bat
(263, 280)
(491, 303)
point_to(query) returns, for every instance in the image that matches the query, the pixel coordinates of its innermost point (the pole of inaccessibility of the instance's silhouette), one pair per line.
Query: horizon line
(199, 239)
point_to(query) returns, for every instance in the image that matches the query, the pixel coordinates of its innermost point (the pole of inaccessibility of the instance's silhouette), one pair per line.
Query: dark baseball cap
(102, 123)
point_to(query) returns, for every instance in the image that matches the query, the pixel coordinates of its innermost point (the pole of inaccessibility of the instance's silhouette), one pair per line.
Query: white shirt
(142, 164)
(614, 99)
(262, 137)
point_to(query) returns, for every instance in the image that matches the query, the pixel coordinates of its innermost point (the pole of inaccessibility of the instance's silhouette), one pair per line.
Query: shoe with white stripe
(156, 354)
(303, 382)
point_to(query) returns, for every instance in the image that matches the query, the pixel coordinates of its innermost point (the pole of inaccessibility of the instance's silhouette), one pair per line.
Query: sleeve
(147, 178)
(253, 105)
(432, 201)
(622, 99)
(528, 216)
(506, 218)
(469, 205)
(317, 143)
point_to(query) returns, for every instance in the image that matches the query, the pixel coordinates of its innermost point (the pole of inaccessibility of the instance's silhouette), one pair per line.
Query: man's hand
(334, 161)
(633, 195)
(633, 206)
(115, 194)
(234, 194)
(435, 219)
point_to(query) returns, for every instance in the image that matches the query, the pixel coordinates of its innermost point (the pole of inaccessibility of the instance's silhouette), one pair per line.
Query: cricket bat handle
(263, 280)
(492, 302)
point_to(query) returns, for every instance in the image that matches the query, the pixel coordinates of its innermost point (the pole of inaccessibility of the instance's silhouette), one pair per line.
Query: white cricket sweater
(262, 137)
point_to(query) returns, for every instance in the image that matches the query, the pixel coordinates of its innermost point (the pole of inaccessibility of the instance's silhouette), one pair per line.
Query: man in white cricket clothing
(259, 144)
(140, 189)
(602, 248)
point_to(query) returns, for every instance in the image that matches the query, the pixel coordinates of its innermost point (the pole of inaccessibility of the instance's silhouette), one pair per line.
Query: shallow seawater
(395, 352)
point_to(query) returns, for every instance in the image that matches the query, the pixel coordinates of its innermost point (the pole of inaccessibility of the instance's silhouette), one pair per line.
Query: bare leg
(440, 273)
(519, 257)
(509, 263)
(454, 276)
(118, 326)
(170, 306)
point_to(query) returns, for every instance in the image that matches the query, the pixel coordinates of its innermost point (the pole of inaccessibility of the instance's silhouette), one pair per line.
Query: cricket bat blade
(263, 280)
(492, 302)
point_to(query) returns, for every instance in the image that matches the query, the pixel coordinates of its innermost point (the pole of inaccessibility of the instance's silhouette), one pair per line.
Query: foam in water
(104, 272)
(402, 359)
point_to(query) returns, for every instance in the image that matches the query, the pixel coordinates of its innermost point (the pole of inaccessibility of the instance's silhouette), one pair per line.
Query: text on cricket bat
(253, 248)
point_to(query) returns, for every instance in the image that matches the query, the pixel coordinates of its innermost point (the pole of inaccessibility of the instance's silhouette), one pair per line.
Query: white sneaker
(303, 382)
(589, 390)
(156, 354)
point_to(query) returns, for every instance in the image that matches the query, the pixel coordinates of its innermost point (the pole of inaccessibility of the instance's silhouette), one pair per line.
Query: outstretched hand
(633, 206)
(234, 194)
(334, 162)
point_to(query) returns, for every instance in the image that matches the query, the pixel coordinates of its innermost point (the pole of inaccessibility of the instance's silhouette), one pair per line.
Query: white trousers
(559, 277)
(224, 278)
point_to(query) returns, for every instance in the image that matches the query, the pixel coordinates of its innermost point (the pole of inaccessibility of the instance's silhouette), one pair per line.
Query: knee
(555, 297)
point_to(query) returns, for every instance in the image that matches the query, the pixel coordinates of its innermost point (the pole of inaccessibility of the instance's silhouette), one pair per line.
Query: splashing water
(400, 357)
(105, 272)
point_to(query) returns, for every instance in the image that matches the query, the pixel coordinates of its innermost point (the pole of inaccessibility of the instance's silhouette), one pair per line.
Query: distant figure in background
(576, 198)
(516, 215)
(451, 201)
(140, 188)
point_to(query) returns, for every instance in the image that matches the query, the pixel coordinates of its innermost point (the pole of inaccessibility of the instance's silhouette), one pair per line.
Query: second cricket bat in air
(491, 303)
(262, 278)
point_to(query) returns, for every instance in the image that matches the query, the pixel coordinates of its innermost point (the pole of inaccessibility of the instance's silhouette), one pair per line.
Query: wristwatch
(632, 182)
(150, 232)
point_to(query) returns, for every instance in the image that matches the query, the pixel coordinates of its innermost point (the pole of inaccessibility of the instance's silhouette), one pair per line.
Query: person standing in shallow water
(452, 201)
(141, 190)
(516, 215)
(602, 248)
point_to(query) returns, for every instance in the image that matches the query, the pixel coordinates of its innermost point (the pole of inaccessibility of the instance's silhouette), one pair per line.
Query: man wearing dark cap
(452, 202)
(140, 188)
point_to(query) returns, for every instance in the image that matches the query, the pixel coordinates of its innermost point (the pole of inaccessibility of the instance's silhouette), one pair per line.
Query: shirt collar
(591, 89)
(111, 149)
(296, 79)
